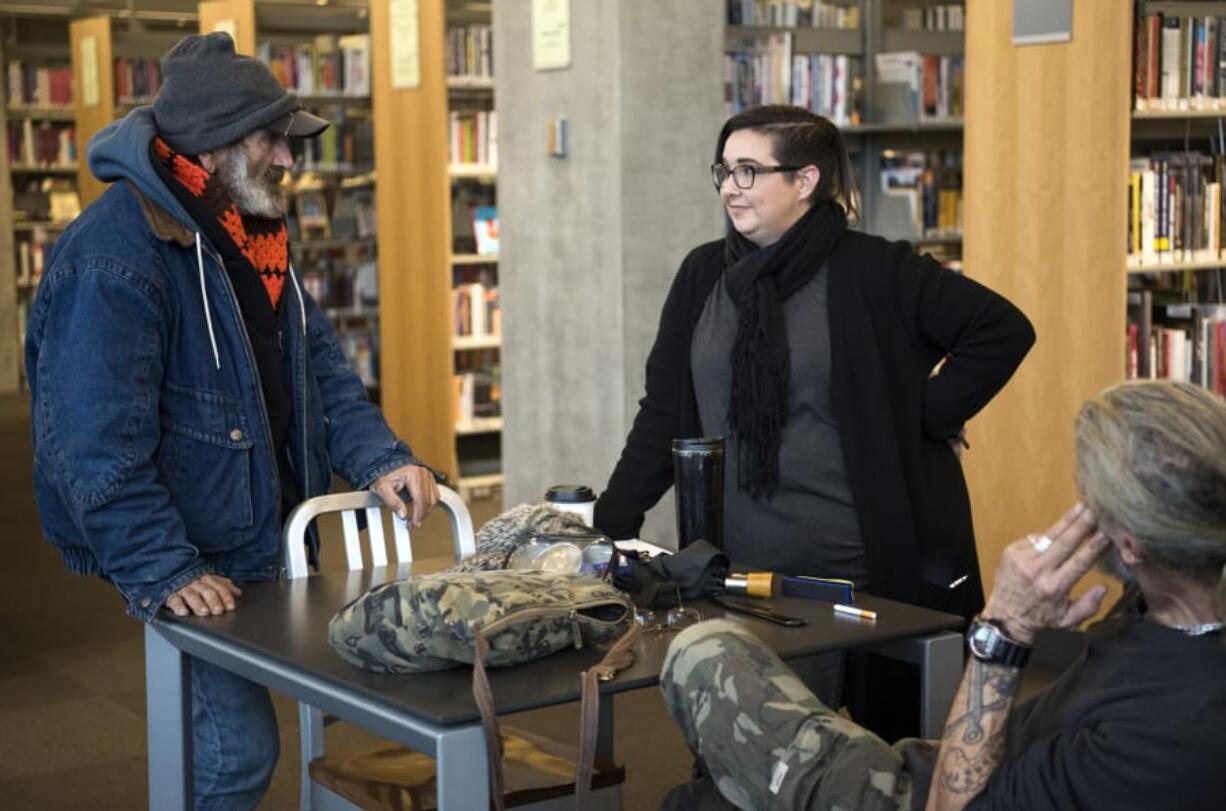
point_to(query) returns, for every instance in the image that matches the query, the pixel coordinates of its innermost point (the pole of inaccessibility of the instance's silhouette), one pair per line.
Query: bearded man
(187, 392)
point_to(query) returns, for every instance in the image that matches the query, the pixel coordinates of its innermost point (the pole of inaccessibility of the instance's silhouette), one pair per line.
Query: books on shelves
(473, 138)
(476, 311)
(759, 71)
(1179, 62)
(943, 17)
(477, 398)
(793, 14)
(137, 80)
(921, 194)
(327, 66)
(485, 230)
(1176, 341)
(39, 86)
(42, 144)
(347, 145)
(1175, 208)
(919, 87)
(470, 52)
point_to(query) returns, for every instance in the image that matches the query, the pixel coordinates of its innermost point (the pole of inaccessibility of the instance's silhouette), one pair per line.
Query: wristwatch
(987, 642)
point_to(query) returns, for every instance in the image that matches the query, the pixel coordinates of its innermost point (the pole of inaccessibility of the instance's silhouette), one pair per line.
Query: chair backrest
(349, 505)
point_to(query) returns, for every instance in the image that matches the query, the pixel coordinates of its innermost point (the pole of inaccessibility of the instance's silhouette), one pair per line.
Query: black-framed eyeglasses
(744, 174)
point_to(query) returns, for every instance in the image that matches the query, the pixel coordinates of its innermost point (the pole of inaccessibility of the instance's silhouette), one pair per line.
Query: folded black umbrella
(696, 571)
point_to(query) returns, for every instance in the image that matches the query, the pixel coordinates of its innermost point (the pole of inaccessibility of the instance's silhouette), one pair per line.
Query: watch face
(983, 640)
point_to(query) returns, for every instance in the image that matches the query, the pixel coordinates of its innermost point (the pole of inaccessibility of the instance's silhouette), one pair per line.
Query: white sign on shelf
(550, 34)
(89, 71)
(405, 31)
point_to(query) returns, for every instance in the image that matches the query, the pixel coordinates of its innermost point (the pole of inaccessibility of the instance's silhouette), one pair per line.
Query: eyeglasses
(743, 174)
(674, 619)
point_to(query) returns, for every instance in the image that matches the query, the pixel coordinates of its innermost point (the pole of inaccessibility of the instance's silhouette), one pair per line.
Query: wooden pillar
(94, 96)
(1046, 162)
(413, 209)
(235, 17)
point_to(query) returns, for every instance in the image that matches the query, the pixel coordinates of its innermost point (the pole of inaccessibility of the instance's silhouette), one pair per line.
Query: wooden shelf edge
(465, 343)
(1174, 267)
(479, 425)
(474, 259)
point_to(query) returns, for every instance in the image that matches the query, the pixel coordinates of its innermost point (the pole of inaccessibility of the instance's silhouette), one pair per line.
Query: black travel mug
(698, 484)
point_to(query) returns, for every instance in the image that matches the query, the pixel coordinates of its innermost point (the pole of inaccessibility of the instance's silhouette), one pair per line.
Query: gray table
(278, 638)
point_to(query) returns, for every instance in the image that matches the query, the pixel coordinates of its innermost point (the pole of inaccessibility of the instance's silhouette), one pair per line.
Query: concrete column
(590, 242)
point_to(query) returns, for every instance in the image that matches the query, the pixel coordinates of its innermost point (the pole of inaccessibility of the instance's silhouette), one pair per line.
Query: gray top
(809, 525)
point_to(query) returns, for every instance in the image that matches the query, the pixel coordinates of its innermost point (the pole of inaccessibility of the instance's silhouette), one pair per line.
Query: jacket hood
(120, 151)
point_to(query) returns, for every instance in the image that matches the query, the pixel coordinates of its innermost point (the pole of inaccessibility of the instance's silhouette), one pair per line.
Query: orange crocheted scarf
(264, 242)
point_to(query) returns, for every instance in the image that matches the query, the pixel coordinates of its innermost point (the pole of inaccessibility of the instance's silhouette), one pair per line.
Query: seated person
(1136, 722)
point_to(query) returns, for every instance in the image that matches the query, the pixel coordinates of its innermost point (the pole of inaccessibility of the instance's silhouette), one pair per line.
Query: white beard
(255, 196)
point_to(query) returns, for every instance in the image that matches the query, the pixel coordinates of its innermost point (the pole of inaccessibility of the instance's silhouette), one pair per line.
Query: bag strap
(619, 657)
(489, 720)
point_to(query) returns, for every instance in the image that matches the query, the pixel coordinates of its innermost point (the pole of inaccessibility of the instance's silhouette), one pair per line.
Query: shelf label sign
(405, 30)
(89, 71)
(1042, 22)
(550, 34)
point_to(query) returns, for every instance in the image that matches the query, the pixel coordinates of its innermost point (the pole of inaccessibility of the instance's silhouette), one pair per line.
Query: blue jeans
(234, 739)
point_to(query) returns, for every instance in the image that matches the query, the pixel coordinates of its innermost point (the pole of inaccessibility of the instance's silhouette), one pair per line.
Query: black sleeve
(1124, 765)
(645, 470)
(984, 336)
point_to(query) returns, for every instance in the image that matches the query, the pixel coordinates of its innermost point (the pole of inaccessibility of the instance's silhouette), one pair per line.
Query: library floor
(72, 701)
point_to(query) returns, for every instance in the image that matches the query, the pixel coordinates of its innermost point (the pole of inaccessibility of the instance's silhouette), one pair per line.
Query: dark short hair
(801, 138)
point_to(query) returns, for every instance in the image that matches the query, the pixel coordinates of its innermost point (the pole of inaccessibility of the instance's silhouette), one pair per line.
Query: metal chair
(312, 793)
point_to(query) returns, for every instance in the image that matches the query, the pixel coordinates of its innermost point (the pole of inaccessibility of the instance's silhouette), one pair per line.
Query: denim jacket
(153, 457)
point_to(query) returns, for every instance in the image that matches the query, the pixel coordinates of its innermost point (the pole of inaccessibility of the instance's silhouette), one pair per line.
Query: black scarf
(759, 280)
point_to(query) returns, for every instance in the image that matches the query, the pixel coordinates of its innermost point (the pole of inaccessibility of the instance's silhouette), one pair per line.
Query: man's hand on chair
(206, 596)
(419, 482)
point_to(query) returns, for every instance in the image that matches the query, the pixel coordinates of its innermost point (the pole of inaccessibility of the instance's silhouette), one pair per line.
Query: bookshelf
(889, 74)
(472, 171)
(1176, 268)
(324, 56)
(39, 168)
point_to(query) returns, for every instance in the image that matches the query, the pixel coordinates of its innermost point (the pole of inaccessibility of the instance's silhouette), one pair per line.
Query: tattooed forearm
(974, 740)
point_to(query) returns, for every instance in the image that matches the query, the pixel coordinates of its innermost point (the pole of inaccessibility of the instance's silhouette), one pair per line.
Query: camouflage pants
(765, 738)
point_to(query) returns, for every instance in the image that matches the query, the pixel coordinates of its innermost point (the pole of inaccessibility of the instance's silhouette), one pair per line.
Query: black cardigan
(893, 316)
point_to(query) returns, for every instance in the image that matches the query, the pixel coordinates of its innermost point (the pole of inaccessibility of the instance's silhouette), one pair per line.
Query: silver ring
(1041, 543)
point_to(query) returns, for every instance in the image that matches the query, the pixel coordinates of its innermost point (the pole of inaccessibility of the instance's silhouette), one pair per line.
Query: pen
(852, 611)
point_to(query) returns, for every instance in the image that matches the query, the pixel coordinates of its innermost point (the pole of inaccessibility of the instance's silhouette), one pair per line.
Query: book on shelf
(42, 144)
(473, 137)
(39, 86)
(1179, 61)
(327, 66)
(485, 230)
(470, 51)
(137, 80)
(793, 14)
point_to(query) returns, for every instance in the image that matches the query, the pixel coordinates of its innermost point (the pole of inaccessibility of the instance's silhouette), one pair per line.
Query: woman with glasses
(811, 349)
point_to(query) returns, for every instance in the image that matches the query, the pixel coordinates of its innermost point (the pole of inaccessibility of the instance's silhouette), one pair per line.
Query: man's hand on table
(206, 596)
(1037, 573)
(422, 489)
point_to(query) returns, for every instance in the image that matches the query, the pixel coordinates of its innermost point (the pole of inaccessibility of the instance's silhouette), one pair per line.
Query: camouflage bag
(432, 622)
(497, 618)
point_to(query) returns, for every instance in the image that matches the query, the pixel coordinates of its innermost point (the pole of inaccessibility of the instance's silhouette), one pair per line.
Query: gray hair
(1151, 462)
